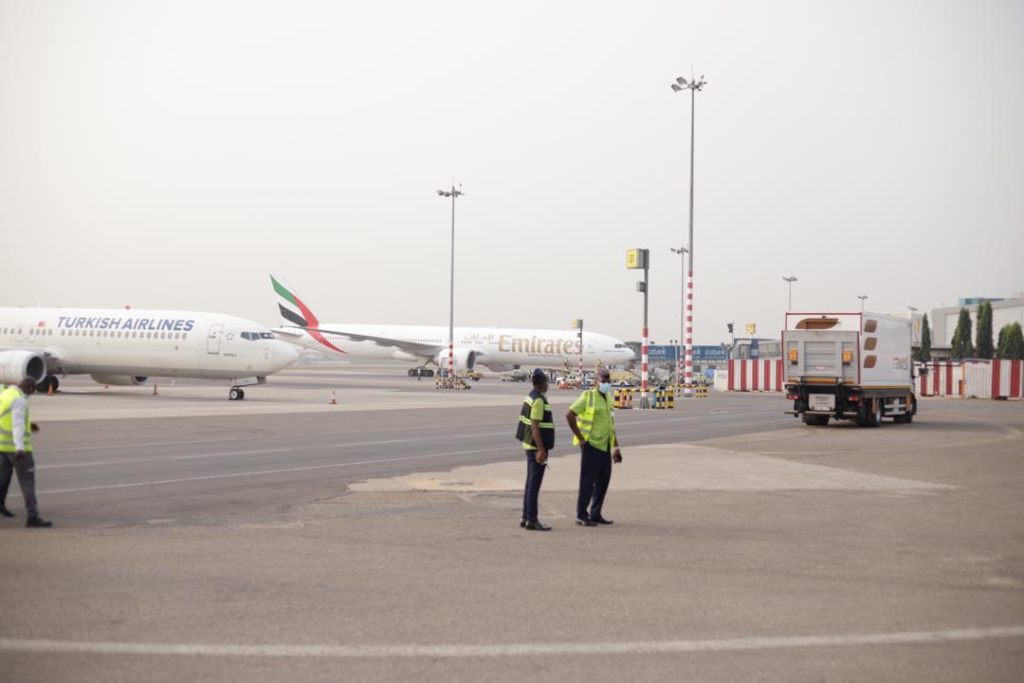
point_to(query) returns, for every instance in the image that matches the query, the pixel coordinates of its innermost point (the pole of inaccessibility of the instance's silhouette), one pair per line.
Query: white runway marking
(261, 472)
(521, 650)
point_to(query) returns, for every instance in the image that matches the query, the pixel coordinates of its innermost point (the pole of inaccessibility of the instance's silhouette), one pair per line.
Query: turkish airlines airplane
(127, 347)
(495, 348)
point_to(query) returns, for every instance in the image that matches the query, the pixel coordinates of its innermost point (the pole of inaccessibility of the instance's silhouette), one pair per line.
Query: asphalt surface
(260, 540)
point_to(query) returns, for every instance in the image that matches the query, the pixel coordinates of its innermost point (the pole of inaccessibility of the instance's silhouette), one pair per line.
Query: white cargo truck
(849, 366)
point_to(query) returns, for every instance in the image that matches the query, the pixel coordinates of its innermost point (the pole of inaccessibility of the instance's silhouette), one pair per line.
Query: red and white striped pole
(579, 325)
(644, 348)
(693, 85)
(689, 334)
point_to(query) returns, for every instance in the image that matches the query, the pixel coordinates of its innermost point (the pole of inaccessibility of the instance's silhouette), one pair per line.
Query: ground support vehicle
(849, 366)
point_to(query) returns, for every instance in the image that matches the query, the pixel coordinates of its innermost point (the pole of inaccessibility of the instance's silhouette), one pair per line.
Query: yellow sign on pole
(751, 328)
(636, 258)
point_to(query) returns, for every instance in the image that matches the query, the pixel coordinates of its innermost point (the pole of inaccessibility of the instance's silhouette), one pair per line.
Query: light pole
(863, 298)
(453, 193)
(693, 86)
(791, 279)
(682, 251)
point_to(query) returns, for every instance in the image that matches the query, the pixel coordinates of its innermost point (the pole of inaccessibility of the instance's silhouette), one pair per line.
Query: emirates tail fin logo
(297, 313)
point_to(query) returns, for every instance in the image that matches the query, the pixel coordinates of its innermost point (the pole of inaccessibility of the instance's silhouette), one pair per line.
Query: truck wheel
(908, 417)
(875, 416)
(815, 420)
(863, 419)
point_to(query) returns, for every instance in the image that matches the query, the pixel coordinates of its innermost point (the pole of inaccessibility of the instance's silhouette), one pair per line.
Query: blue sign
(710, 372)
(665, 353)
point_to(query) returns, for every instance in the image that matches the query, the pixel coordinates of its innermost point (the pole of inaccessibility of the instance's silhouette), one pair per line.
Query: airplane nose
(282, 355)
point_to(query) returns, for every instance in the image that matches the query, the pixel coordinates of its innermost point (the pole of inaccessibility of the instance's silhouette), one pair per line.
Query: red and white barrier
(975, 378)
(941, 378)
(1008, 379)
(972, 379)
(756, 375)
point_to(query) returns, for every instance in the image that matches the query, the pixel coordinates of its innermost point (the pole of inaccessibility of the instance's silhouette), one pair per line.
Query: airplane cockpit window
(246, 335)
(267, 335)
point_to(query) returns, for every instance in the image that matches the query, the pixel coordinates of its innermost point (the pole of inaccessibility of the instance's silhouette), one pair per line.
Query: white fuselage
(150, 343)
(494, 347)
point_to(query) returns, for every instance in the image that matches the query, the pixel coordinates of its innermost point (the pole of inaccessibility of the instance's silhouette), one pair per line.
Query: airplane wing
(414, 348)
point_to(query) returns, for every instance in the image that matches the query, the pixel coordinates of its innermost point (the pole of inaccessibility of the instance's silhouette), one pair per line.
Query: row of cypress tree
(1010, 345)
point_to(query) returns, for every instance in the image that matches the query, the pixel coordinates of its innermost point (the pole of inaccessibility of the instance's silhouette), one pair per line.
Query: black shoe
(601, 520)
(585, 522)
(522, 522)
(536, 526)
(37, 522)
(5, 512)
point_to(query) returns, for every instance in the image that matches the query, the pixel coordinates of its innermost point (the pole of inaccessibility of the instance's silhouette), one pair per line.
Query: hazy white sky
(171, 154)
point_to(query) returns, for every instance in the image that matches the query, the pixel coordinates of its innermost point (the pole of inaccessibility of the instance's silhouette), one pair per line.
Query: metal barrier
(457, 383)
(663, 399)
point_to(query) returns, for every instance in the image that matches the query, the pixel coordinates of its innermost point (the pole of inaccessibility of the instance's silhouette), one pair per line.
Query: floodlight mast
(791, 279)
(453, 193)
(693, 85)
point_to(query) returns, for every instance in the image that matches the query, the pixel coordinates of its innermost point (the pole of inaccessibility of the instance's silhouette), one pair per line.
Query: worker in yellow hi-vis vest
(16, 429)
(591, 420)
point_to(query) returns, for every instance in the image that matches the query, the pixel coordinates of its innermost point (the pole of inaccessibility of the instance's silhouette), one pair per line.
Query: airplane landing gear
(236, 394)
(421, 372)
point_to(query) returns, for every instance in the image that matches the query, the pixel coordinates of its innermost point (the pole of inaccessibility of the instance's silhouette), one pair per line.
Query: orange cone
(49, 392)
(333, 401)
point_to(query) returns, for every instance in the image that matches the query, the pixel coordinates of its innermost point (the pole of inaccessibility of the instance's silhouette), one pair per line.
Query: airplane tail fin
(293, 311)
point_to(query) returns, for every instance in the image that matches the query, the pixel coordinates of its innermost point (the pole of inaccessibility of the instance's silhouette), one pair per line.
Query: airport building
(1004, 311)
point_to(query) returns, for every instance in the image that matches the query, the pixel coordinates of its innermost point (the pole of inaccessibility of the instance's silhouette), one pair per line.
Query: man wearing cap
(593, 425)
(536, 431)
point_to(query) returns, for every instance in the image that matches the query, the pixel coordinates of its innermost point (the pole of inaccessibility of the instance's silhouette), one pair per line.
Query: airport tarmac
(279, 537)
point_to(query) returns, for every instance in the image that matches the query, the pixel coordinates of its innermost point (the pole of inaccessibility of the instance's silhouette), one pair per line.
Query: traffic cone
(106, 386)
(155, 392)
(333, 401)
(49, 391)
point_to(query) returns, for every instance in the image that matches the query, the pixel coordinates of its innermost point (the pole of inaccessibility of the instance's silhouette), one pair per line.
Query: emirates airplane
(128, 347)
(497, 349)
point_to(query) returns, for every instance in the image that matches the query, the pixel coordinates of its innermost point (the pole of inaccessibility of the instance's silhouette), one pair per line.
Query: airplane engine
(17, 365)
(119, 380)
(465, 359)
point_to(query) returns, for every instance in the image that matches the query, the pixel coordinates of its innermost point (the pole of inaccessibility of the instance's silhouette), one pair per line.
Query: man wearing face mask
(591, 421)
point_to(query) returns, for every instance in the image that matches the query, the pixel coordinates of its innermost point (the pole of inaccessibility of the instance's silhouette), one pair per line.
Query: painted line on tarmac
(514, 650)
(262, 451)
(263, 472)
(420, 439)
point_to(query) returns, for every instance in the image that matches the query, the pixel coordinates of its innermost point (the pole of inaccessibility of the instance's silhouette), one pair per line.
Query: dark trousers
(26, 469)
(534, 478)
(595, 475)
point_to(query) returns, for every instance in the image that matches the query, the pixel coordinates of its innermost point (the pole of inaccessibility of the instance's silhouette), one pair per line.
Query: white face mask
(605, 387)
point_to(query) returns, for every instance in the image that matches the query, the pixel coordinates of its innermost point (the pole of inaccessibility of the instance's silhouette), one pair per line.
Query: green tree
(984, 344)
(924, 354)
(1011, 342)
(962, 347)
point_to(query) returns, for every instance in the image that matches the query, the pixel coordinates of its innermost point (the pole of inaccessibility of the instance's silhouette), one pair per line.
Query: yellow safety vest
(7, 397)
(585, 420)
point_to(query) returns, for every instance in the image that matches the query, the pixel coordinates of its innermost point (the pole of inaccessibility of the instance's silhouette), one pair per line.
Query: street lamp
(453, 193)
(693, 85)
(791, 279)
(682, 251)
(862, 298)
